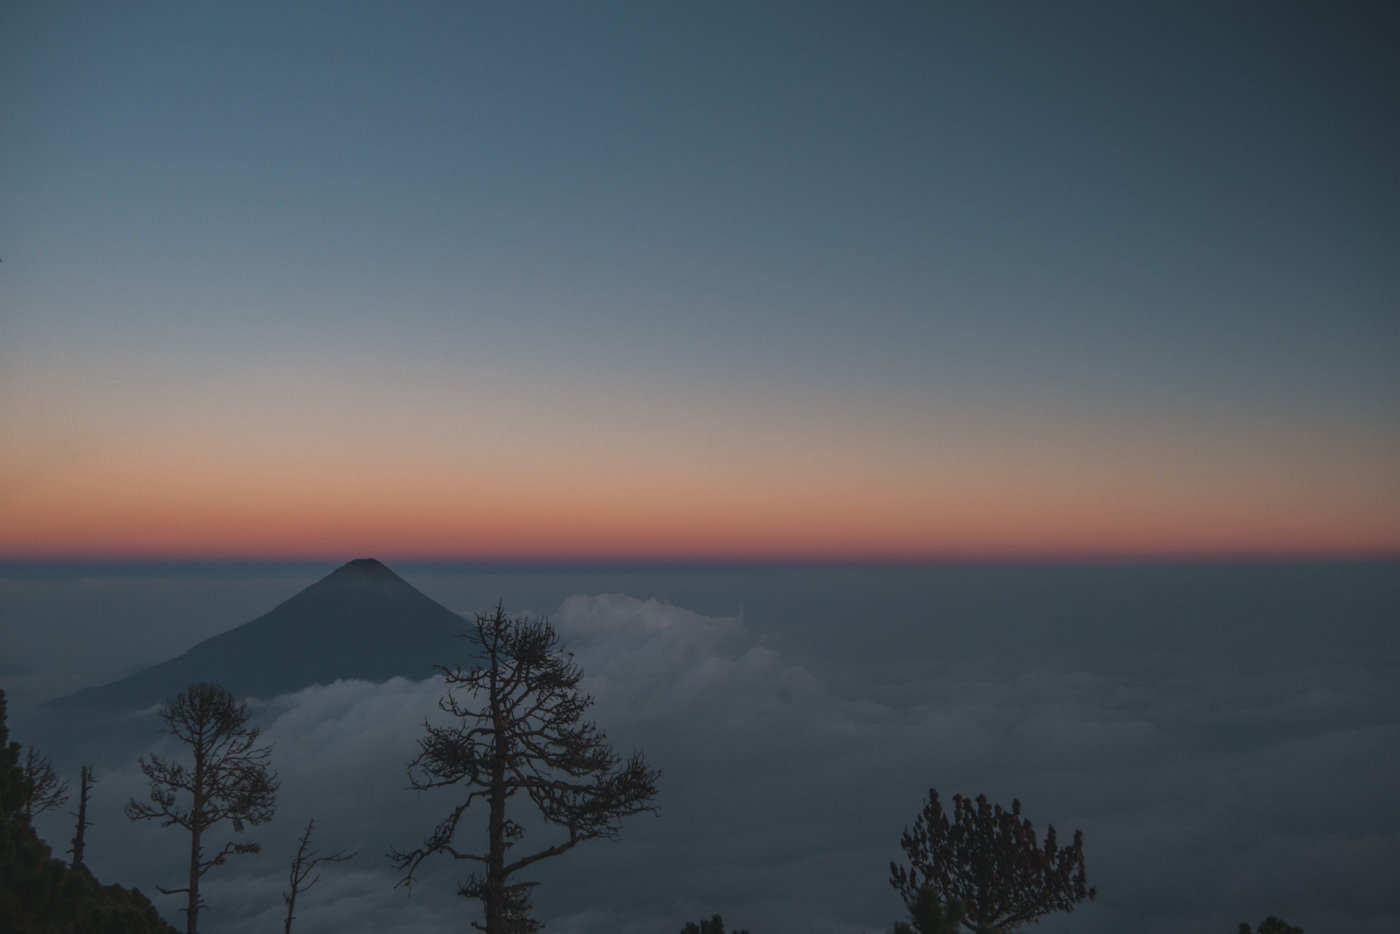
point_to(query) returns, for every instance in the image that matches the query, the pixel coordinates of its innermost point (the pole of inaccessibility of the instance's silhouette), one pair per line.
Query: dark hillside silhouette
(362, 621)
(39, 894)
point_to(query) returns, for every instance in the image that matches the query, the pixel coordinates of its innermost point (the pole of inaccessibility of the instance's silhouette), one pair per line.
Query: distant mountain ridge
(361, 621)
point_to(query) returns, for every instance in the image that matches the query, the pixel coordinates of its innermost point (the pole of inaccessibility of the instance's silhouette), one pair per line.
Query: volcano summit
(361, 621)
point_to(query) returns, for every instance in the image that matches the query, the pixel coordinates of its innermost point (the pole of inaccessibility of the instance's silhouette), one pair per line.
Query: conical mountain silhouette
(361, 621)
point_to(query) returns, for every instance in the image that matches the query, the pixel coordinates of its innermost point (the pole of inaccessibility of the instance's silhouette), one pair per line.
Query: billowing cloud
(1207, 795)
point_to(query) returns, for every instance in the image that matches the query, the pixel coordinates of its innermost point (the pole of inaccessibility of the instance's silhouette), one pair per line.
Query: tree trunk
(85, 789)
(196, 829)
(496, 829)
(496, 861)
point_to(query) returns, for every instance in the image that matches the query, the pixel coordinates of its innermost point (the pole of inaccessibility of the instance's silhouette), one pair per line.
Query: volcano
(361, 621)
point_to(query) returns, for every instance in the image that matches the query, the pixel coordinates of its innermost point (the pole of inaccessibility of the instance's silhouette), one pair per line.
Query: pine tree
(713, 926)
(987, 864)
(520, 731)
(229, 780)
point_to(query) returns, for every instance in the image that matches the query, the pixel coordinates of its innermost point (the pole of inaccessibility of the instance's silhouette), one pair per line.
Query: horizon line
(578, 563)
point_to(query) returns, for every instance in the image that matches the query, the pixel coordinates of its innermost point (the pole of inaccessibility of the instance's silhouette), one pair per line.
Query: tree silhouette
(229, 780)
(713, 926)
(928, 915)
(46, 789)
(987, 863)
(304, 863)
(520, 730)
(1272, 925)
(86, 781)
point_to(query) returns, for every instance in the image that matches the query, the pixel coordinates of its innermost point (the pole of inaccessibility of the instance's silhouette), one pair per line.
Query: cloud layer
(1209, 794)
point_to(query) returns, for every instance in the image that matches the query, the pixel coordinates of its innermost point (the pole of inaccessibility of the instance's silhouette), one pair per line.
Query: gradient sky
(699, 281)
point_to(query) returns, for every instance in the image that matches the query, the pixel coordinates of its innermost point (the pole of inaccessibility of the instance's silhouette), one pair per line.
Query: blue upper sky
(901, 269)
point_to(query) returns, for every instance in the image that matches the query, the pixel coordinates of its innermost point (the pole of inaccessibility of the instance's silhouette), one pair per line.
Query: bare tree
(229, 780)
(303, 865)
(86, 781)
(46, 789)
(520, 729)
(987, 865)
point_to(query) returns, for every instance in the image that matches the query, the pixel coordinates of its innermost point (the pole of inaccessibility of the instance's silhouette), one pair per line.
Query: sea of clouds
(1210, 790)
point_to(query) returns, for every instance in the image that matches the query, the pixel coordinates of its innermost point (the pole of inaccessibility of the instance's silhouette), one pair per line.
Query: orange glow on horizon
(798, 503)
(641, 532)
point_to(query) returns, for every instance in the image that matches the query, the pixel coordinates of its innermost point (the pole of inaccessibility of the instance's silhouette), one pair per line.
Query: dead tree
(520, 731)
(228, 780)
(45, 789)
(85, 783)
(303, 865)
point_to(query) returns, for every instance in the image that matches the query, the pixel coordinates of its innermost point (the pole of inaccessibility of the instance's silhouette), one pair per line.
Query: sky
(690, 282)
